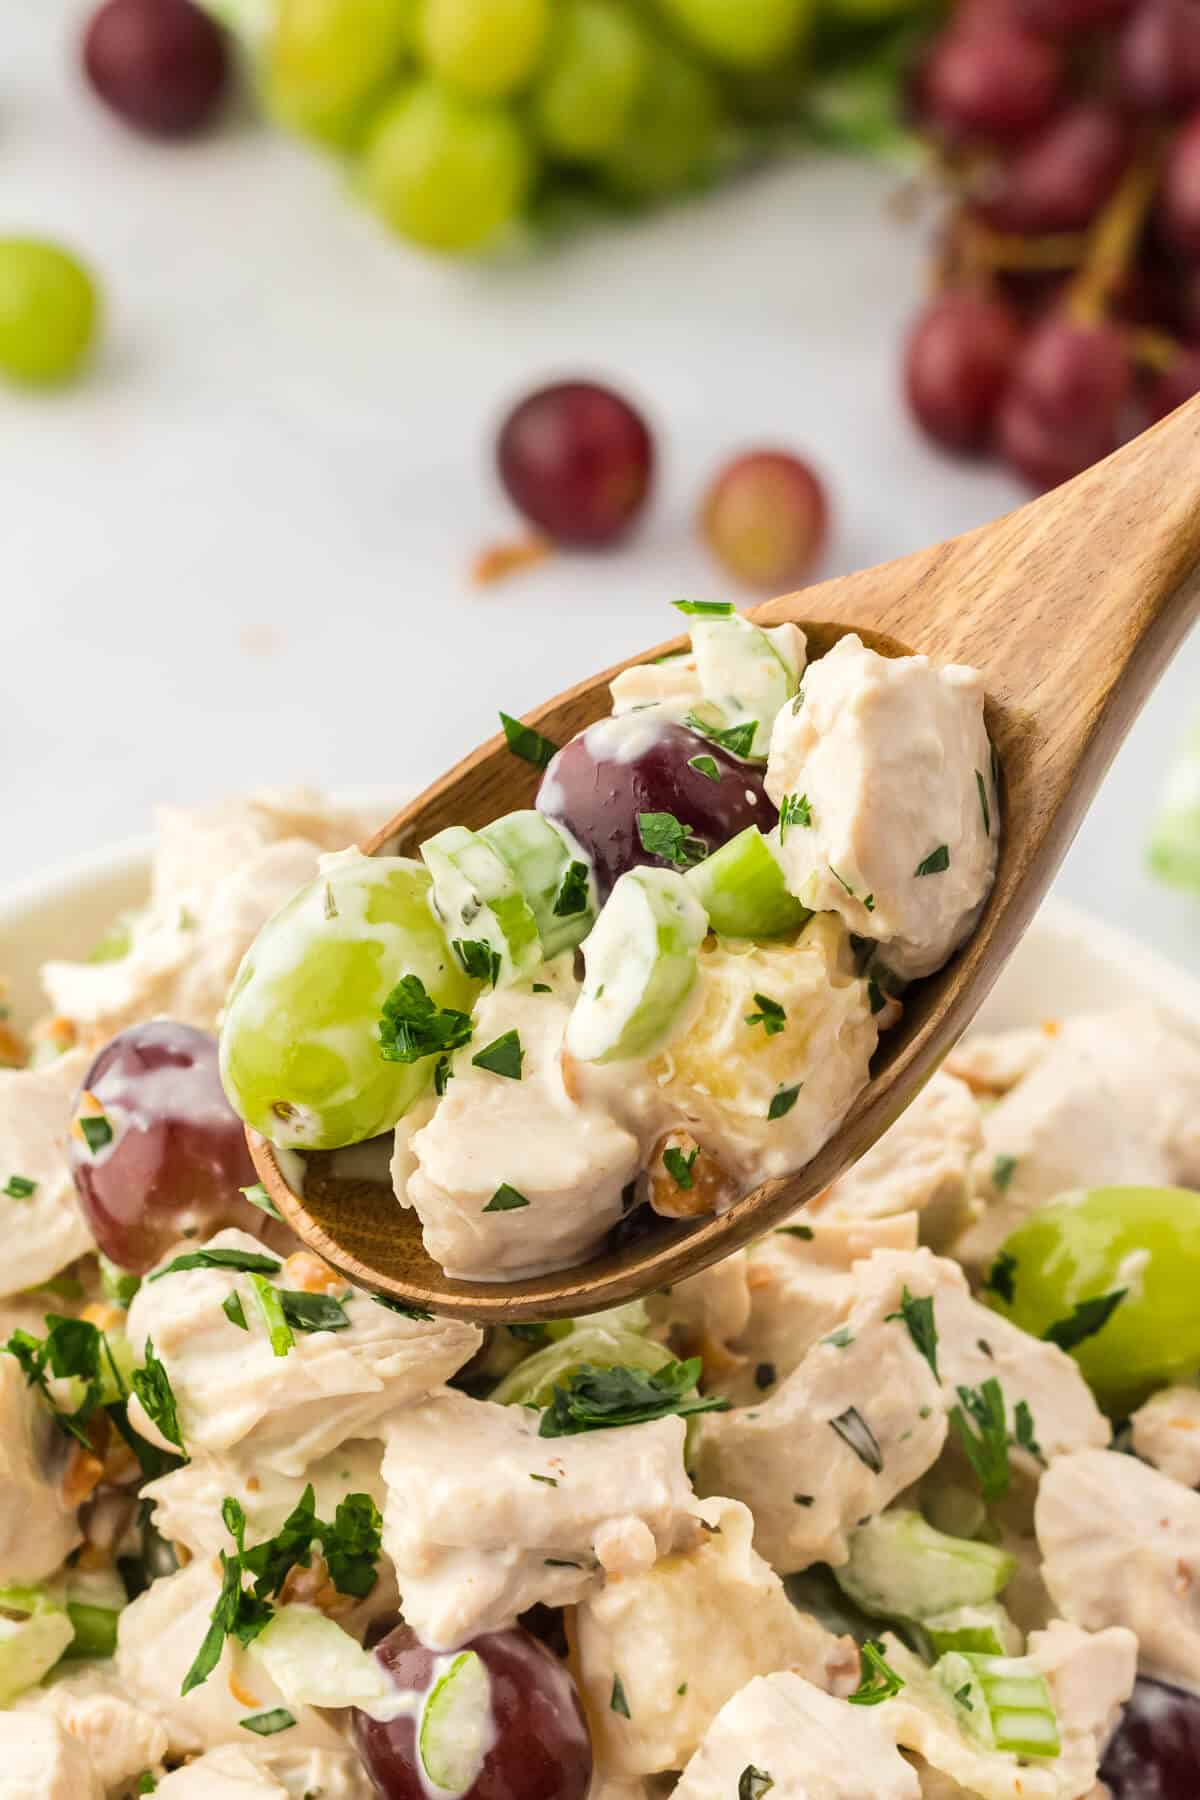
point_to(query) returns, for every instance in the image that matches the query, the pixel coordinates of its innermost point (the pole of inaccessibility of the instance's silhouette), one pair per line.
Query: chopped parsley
(542, 987)
(783, 1101)
(592, 1399)
(146, 1783)
(617, 1701)
(794, 809)
(770, 1015)
(706, 766)
(478, 959)
(1001, 1277)
(737, 739)
(152, 1385)
(979, 1424)
(841, 1339)
(270, 1304)
(803, 1499)
(679, 1166)
(421, 1313)
(805, 1232)
(258, 1196)
(962, 1696)
(245, 1260)
(441, 1075)
(754, 1783)
(572, 895)
(413, 1025)
(841, 879)
(764, 1375)
(505, 1199)
(917, 1315)
(984, 808)
(313, 1312)
(1024, 1435)
(936, 863)
(854, 1431)
(704, 609)
(19, 1187)
(1003, 1170)
(331, 911)
(878, 1680)
(662, 835)
(234, 1311)
(266, 1724)
(546, 1480)
(527, 743)
(97, 1132)
(503, 1056)
(682, 1688)
(1086, 1318)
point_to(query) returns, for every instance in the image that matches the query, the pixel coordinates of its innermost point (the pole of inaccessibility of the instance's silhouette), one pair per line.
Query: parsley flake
(841, 879)
(503, 1056)
(936, 863)
(1001, 1277)
(704, 609)
(662, 835)
(764, 1376)
(737, 739)
(245, 1260)
(841, 1339)
(258, 1196)
(505, 1199)
(984, 808)
(313, 1312)
(592, 1399)
(1024, 1435)
(854, 1431)
(478, 959)
(572, 895)
(706, 766)
(783, 1101)
(679, 1166)
(878, 1680)
(794, 809)
(234, 1311)
(770, 1015)
(97, 1132)
(270, 1304)
(979, 1424)
(266, 1724)
(152, 1385)
(805, 1232)
(1086, 1318)
(421, 1313)
(546, 1480)
(1003, 1170)
(413, 1025)
(617, 1700)
(19, 1187)
(917, 1316)
(754, 1783)
(803, 1499)
(527, 743)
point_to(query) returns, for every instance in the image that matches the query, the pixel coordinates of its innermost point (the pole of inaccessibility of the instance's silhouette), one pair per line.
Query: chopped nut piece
(707, 1190)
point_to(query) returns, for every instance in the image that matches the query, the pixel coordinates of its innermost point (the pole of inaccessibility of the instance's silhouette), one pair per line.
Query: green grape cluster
(470, 122)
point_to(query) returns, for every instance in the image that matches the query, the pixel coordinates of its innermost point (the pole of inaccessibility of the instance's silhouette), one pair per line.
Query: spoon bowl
(1071, 607)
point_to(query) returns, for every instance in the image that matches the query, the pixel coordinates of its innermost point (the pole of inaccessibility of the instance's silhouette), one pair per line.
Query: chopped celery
(552, 874)
(603, 1346)
(901, 1568)
(1175, 837)
(987, 1629)
(30, 1647)
(742, 889)
(642, 962)
(1004, 1701)
(313, 1662)
(95, 1629)
(478, 899)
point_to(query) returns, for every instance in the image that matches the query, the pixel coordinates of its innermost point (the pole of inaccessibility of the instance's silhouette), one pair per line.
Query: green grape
(872, 12)
(327, 60)
(446, 172)
(593, 68)
(48, 311)
(300, 1055)
(485, 48)
(1090, 1246)
(743, 34)
(604, 1347)
(672, 132)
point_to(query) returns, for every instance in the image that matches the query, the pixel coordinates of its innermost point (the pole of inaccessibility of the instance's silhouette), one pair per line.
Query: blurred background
(291, 487)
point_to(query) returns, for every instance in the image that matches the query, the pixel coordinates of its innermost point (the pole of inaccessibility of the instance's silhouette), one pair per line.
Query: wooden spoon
(1071, 607)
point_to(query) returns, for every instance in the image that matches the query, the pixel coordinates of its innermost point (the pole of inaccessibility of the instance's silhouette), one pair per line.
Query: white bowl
(1068, 962)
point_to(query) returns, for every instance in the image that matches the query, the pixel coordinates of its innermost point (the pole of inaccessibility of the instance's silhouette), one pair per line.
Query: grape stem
(1114, 237)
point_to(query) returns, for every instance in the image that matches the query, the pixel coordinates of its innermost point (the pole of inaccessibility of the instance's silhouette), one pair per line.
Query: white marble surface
(238, 552)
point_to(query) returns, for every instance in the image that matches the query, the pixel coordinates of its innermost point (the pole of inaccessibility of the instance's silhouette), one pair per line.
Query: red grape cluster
(1067, 317)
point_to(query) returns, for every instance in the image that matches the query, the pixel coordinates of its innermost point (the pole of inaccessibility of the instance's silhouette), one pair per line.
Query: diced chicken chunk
(158, 1636)
(685, 1636)
(37, 1527)
(230, 1387)
(42, 1225)
(893, 758)
(39, 1760)
(707, 1310)
(1115, 1100)
(120, 1737)
(1166, 1432)
(990, 1063)
(806, 1744)
(923, 1165)
(269, 1771)
(484, 1517)
(219, 874)
(859, 1420)
(672, 686)
(1121, 1546)
(565, 1156)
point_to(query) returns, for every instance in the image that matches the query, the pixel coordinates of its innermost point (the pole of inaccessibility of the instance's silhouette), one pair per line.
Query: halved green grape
(744, 34)
(901, 1568)
(300, 1045)
(673, 131)
(446, 172)
(641, 964)
(478, 899)
(485, 48)
(325, 61)
(602, 1346)
(1069, 1260)
(741, 888)
(457, 1728)
(1175, 839)
(594, 65)
(30, 1647)
(313, 1662)
(48, 311)
(745, 675)
(552, 873)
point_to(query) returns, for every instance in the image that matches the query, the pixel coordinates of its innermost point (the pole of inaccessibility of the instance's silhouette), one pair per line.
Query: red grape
(1155, 1753)
(1045, 454)
(163, 65)
(1063, 18)
(765, 518)
(1158, 58)
(1062, 177)
(1181, 187)
(1076, 376)
(959, 358)
(601, 780)
(577, 460)
(178, 1155)
(1175, 385)
(989, 82)
(542, 1748)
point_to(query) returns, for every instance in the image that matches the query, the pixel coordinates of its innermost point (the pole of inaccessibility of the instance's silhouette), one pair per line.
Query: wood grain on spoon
(1071, 607)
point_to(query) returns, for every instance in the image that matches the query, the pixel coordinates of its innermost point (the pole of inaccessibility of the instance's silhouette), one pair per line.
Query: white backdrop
(238, 551)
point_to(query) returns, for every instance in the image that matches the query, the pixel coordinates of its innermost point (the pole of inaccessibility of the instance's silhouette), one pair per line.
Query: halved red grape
(601, 781)
(178, 1154)
(1175, 385)
(1155, 1752)
(542, 1749)
(577, 461)
(960, 354)
(990, 82)
(765, 518)
(1181, 187)
(163, 65)
(1158, 58)
(1060, 179)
